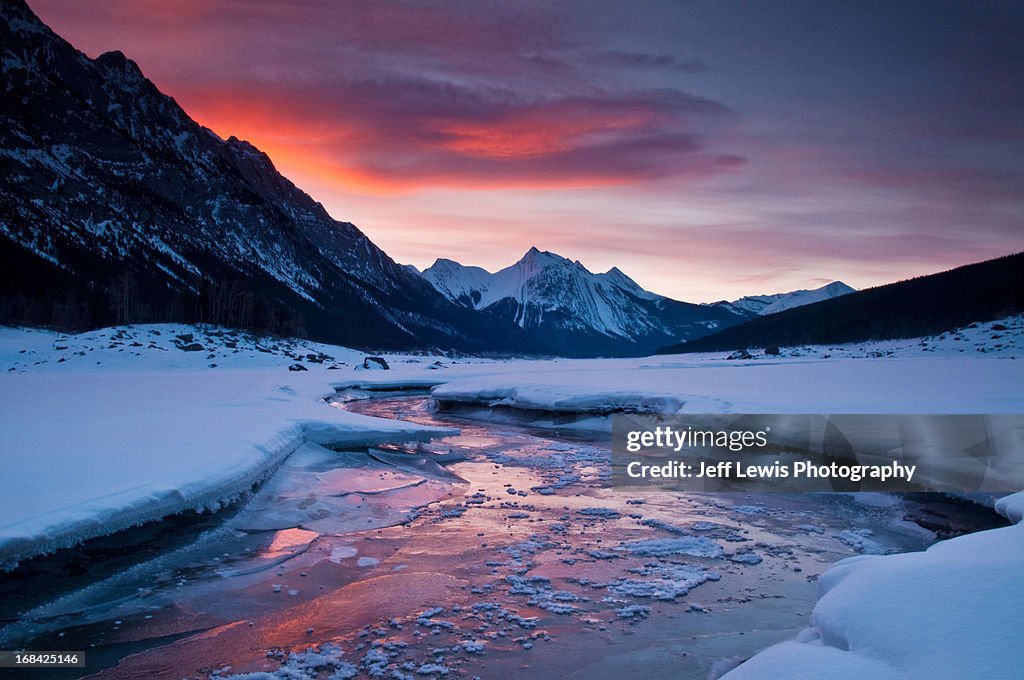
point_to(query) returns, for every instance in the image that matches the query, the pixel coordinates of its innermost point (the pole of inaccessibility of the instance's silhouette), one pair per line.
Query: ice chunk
(699, 546)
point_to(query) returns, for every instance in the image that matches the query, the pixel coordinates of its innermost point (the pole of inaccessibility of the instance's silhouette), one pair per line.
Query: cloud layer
(710, 150)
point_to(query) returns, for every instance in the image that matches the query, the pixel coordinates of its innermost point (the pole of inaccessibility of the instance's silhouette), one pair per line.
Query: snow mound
(1012, 507)
(950, 612)
(91, 452)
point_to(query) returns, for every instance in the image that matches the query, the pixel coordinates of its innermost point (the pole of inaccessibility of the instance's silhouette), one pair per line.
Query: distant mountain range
(576, 312)
(116, 207)
(763, 305)
(907, 309)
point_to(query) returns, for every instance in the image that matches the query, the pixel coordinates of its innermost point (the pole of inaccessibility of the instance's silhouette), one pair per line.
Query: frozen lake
(496, 553)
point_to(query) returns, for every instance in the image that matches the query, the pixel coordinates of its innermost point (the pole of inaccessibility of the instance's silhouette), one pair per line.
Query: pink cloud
(395, 96)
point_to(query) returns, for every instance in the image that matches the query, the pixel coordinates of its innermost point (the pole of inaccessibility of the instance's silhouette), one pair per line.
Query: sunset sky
(708, 149)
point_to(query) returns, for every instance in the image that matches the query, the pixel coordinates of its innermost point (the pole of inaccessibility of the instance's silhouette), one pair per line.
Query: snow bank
(911, 385)
(89, 450)
(952, 611)
(1012, 507)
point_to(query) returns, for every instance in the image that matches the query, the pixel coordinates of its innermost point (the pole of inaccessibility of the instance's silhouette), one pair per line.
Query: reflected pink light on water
(288, 541)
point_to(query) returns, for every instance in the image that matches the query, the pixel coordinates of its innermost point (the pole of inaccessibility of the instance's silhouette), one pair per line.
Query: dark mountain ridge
(920, 306)
(116, 207)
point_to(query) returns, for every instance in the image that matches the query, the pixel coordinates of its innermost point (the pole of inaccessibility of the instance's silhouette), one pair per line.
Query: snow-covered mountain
(115, 206)
(575, 311)
(924, 305)
(762, 305)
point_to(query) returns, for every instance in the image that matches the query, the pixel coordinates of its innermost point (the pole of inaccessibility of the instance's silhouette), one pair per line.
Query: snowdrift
(88, 454)
(952, 611)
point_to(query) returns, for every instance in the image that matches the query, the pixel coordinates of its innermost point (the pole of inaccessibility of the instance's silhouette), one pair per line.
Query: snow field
(90, 451)
(93, 447)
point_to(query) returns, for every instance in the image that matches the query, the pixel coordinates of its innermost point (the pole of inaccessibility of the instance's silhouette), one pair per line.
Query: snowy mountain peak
(798, 298)
(458, 282)
(837, 288)
(443, 263)
(535, 259)
(763, 305)
(561, 300)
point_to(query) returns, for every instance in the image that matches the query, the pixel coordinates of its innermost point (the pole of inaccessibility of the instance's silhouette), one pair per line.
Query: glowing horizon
(708, 153)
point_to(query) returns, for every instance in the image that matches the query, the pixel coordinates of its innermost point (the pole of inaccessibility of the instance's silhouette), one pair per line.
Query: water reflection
(288, 542)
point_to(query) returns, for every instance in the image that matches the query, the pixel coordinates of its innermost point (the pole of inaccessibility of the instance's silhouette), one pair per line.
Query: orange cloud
(399, 135)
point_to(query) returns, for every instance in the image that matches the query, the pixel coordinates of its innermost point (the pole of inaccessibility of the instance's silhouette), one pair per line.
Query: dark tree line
(35, 292)
(233, 302)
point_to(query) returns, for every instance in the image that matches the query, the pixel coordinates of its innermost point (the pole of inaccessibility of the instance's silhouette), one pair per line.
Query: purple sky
(708, 149)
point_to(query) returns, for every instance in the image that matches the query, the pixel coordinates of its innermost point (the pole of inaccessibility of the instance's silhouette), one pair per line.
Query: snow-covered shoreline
(897, 385)
(951, 611)
(89, 451)
(115, 427)
(85, 460)
(971, 370)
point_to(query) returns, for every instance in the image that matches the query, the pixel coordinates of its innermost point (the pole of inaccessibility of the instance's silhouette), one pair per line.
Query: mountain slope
(110, 191)
(575, 311)
(762, 305)
(922, 306)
